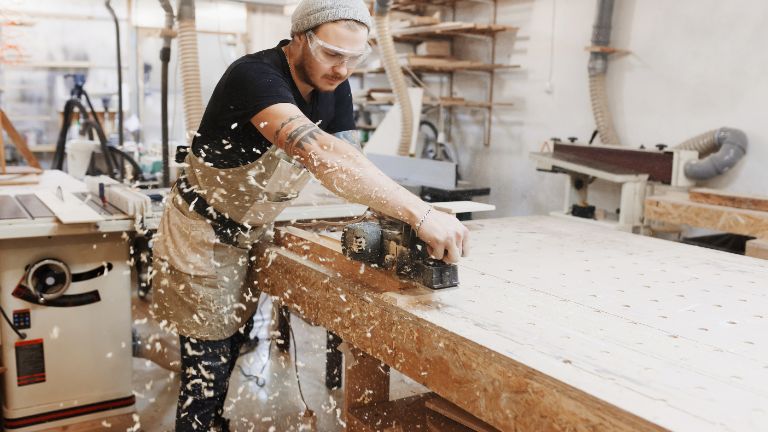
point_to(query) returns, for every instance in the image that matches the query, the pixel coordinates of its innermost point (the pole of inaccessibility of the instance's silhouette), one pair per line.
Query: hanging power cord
(259, 379)
(308, 416)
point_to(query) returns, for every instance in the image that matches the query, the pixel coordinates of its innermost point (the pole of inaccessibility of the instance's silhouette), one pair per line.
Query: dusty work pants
(206, 366)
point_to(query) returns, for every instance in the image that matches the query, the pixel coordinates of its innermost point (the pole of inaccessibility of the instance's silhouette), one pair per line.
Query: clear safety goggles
(331, 55)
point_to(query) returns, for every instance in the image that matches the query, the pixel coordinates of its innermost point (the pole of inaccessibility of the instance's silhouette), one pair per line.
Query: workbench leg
(283, 328)
(333, 361)
(366, 381)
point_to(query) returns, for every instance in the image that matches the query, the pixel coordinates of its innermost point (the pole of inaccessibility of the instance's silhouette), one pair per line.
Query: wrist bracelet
(423, 218)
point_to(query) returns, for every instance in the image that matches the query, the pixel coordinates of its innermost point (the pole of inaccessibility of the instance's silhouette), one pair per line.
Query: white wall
(695, 65)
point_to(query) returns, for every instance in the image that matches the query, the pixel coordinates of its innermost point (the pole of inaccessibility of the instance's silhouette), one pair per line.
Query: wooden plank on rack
(728, 199)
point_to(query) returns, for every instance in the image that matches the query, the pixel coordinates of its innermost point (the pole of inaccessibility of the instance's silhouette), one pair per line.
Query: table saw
(555, 325)
(66, 290)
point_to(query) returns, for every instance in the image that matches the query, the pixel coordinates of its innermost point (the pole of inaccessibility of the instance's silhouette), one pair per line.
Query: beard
(307, 71)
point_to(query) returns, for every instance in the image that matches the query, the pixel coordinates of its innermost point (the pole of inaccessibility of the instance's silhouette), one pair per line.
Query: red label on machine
(30, 362)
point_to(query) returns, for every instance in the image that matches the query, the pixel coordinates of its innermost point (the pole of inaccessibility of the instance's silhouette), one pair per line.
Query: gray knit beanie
(311, 13)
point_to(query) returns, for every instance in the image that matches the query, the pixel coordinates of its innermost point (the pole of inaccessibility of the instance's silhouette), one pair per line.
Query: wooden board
(678, 209)
(456, 207)
(559, 325)
(757, 248)
(69, 210)
(728, 199)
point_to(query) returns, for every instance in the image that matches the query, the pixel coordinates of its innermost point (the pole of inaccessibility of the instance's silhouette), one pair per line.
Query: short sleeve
(253, 86)
(343, 119)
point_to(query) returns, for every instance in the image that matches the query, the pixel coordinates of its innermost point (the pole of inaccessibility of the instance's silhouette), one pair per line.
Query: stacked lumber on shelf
(450, 28)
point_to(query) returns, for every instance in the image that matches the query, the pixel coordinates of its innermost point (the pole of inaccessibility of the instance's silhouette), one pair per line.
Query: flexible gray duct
(190, 67)
(394, 73)
(598, 67)
(725, 147)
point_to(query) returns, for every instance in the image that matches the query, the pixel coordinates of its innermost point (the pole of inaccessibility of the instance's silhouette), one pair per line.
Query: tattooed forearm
(286, 123)
(301, 137)
(350, 136)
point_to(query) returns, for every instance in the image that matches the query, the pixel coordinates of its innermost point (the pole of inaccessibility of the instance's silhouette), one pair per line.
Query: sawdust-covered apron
(212, 219)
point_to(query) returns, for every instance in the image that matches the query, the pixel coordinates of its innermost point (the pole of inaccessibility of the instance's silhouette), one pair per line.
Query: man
(273, 115)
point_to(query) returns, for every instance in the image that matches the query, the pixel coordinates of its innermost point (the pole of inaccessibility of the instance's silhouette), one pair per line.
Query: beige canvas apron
(201, 285)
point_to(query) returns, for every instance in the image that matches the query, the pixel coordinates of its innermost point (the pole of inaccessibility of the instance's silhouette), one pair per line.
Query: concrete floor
(273, 406)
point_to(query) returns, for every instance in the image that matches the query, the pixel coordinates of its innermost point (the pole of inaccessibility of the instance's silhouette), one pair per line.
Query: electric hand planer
(393, 245)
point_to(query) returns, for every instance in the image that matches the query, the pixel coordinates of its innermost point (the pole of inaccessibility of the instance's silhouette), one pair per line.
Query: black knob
(572, 139)
(661, 147)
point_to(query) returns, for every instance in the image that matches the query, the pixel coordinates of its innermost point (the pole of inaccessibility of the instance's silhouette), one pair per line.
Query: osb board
(504, 393)
(559, 325)
(678, 209)
(725, 198)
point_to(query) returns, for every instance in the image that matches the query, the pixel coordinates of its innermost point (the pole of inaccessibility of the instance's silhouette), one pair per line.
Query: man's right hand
(447, 239)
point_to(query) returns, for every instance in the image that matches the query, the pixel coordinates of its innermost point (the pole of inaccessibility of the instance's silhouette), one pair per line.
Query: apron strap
(224, 227)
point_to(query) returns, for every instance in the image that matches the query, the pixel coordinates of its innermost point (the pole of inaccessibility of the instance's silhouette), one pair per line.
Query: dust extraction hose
(165, 58)
(598, 67)
(723, 148)
(119, 78)
(394, 73)
(190, 67)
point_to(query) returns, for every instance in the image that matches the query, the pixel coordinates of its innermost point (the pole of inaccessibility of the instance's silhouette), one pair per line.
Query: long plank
(559, 325)
(724, 198)
(678, 209)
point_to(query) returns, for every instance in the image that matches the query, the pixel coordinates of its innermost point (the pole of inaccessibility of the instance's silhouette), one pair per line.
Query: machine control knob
(661, 147)
(573, 139)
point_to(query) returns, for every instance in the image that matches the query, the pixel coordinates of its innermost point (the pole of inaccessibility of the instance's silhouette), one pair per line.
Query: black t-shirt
(227, 138)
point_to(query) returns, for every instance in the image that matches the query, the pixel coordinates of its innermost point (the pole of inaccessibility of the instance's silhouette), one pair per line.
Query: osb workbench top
(560, 325)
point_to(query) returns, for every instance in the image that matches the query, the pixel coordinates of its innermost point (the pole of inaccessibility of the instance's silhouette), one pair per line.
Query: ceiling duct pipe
(394, 73)
(189, 64)
(598, 67)
(721, 149)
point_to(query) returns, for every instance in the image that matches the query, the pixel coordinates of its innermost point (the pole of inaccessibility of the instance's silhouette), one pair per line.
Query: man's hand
(447, 239)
